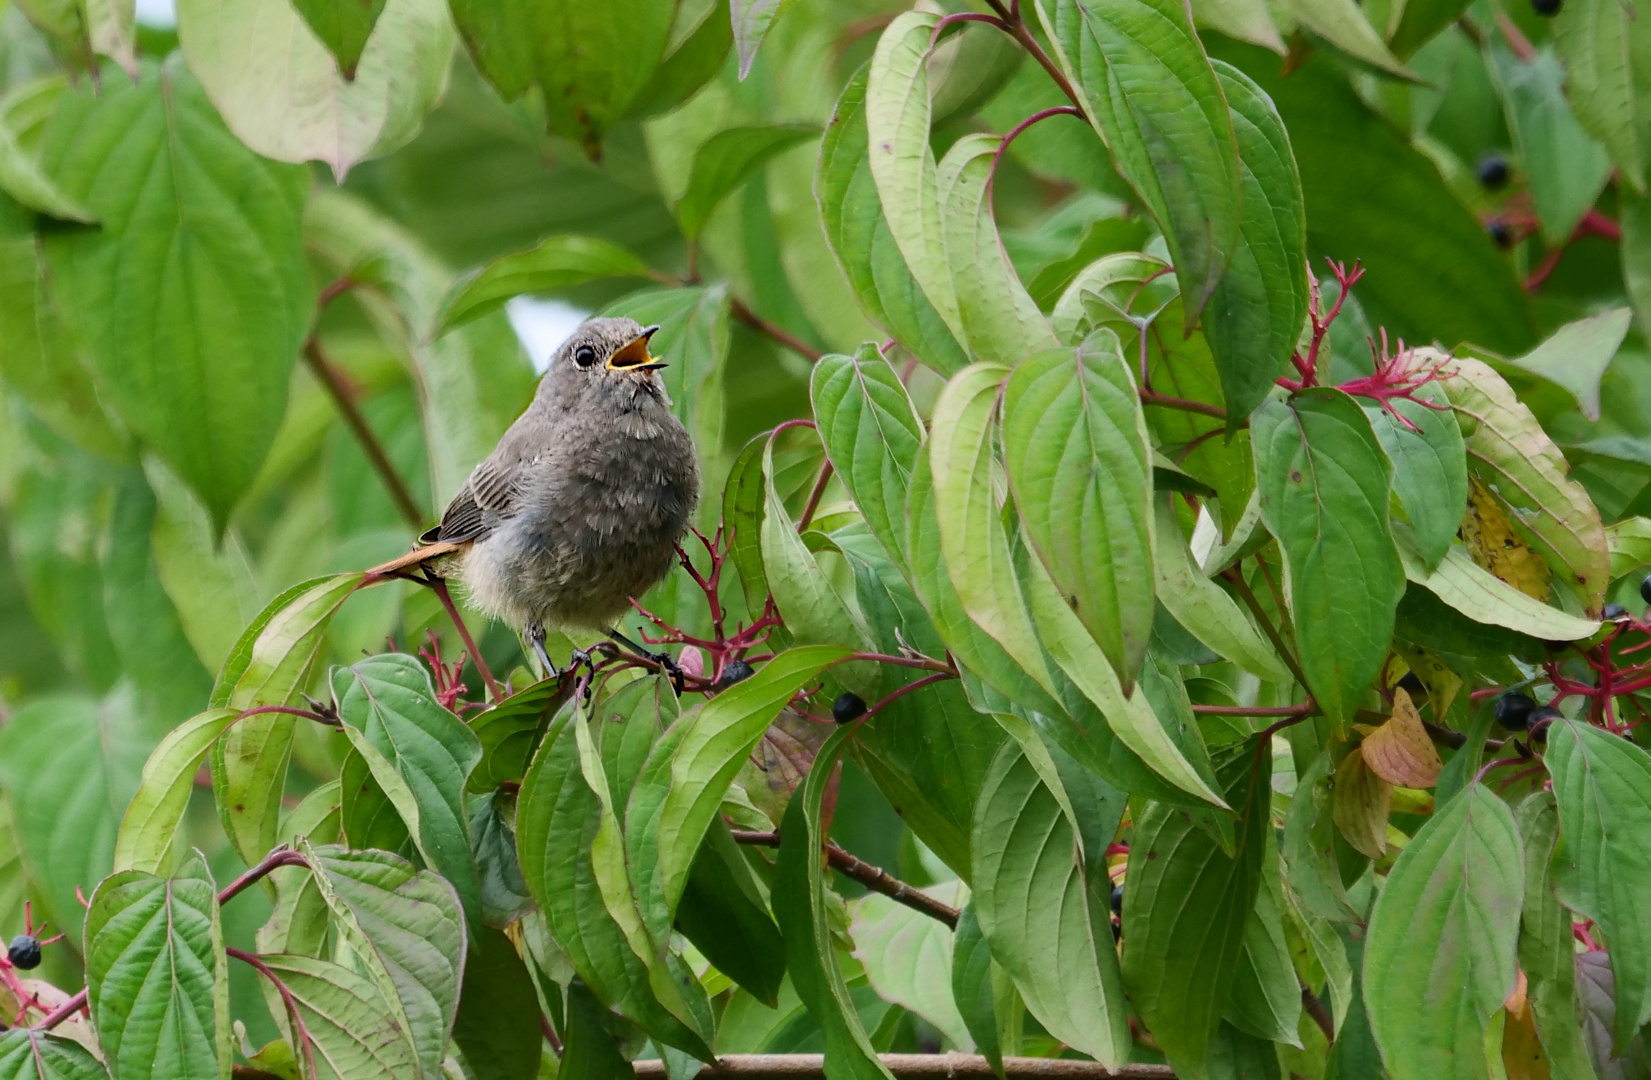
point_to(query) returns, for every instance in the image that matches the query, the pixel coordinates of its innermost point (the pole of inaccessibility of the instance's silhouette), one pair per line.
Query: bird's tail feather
(419, 556)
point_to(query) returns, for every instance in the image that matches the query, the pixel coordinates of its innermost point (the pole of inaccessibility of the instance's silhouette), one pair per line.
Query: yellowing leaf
(1359, 806)
(1400, 751)
(1491, 541)
(1522, 1052)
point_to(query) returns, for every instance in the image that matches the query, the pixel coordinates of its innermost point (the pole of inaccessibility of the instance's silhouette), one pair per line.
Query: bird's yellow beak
(633, 355)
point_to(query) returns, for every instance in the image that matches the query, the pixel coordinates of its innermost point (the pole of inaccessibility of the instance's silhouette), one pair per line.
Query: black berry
(1545, 8)
(1645, 588)
(1542, 719)
(24, 952)
(1513, 711)
(1614, 611)
(1500, 234)
(848, 706)
(1118, 900)
(1493, 171)
(737, 671)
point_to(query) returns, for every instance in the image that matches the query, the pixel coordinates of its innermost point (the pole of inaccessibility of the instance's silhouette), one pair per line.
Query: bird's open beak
(633, 355)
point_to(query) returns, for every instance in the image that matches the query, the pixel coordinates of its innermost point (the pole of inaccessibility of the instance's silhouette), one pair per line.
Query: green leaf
(1575, 356)
(1486, 598)
(1547, 953)
(1324, 492)
(902, 164)
(1206, 609)
(591, 1052)
(1076, 450)
(908, 957)
(151, 819)
(1432, 272)
(726, 161)
(29, 1054)
(1511, 453)
(852, 212)
(353, 1033)
(700, 39)
(555, 263)
(1045, 921)
(972, 987)
(21, 178)
(1257, 309)
(407, 929)
(110, 30)
(69, 765)
(497, 1034)
(157, 976)
(1001, 321)
(1447, 920)
(1602, 784)
(505, 898)
(872, 435)
(1344, 25)
(594, 63)
(1186, 906)
(267, 666)
(283, 93)
(725, 916)
(193, 298)
(510, 729)
(1604, 48)
(343, 27)
(389, 699)
(1430, 472)
(1564, 168)
(800, 907)
(1149, 89)
(1266, 996)
(752, 21)
(694, 333)
(972, 537)
(702, 761)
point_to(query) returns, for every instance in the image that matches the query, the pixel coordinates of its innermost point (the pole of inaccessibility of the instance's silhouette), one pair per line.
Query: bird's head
(605, 360)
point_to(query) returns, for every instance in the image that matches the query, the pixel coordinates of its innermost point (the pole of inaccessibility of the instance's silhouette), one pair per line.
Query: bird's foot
(536, 639)
(666, 662)
(581, 658)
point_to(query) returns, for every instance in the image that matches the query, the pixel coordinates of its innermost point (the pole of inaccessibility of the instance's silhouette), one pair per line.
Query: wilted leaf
(1401, 751)
(1482, 597)
(1360, 800)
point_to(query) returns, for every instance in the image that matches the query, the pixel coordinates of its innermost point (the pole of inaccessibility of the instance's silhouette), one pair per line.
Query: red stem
(63, 1011)
(271, 862)
(286, 999)
(439, 587)
(815, 496)
(1236, 710)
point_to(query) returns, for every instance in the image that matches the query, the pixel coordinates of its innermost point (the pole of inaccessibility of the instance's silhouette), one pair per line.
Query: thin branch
(815, 496)
(927, 1066)
(1017, 27)
(1236, 577)
(439, 587)
(271, 862)
(872, 877)
(63, 1011)
(297, 1018)
(344, 398)
(1246, 710)
(737, 308)
(1315, 1009)
(923, 662)
(1153, 397)
(1014, 133)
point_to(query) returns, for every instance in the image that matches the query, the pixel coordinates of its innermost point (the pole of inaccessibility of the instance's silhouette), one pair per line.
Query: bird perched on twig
(581, 505)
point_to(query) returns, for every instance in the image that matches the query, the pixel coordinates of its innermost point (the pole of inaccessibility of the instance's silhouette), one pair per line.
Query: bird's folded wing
(487, 497)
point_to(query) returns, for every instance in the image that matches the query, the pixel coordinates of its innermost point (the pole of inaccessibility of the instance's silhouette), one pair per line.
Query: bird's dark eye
(584, 356)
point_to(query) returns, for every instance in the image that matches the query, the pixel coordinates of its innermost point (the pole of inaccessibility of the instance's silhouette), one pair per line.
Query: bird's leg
(663, 659)
(536, 638)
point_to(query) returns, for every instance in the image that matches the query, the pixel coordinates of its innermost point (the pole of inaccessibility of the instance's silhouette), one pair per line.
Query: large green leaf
(267, 666)
(1564, 168)
(555, 263)
(1149, 89)
(283, 93)
(726, 161)
(389, 699)
(973, 987)
(1607, 55)
(510, 730)
(1266, 996)
(1076, 450)
(902, 164)
(29, 1054)
(22, 179)
(497, 1036)
(1486, 598)
(1430, 471)
(594, 62)
(1547, 952)
(193, 297)
(1042, 916)
(352, 1032)
(1602, 866)
(151, 819)
(1439, 958)
(1001, 321)
(852, 212)
(1186, 906)
(1511, 453)
(407, 929)
(157, 976)
(1257, 309)
(724, 914)
(1323, 481)
(1432, 273)
(908, 957)
(872, 435)
(342, 27)
(800, 908)
(1575, 356)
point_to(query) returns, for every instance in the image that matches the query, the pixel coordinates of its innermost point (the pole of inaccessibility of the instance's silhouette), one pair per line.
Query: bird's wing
(485, 499)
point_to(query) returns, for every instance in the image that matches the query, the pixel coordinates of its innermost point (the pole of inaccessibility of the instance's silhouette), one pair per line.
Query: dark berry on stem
(1542, 719)
(737, 671)
(1645, 588)
(1118, 900)
(848, 706)
(1614, 611)
(24, 952)
(1513, 711)
(1546, 8)
(1493, 171)
(1500, 234)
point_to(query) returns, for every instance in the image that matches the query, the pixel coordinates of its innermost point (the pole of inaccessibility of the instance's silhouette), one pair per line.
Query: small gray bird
(580, 506)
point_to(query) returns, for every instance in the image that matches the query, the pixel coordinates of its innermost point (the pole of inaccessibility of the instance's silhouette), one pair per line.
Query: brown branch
(344, 398)
(1254, 710)
(1153, 397)
(872, 877)
(63, 1011)
(1017, 27)
(1315, 1009)
(737, 308)
(936, 1066)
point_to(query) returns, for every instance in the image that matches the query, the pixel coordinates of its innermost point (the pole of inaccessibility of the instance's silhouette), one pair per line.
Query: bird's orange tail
(419, 556)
